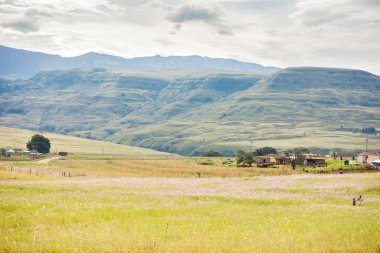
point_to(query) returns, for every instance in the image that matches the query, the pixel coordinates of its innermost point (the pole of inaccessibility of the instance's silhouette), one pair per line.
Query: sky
(281, 33)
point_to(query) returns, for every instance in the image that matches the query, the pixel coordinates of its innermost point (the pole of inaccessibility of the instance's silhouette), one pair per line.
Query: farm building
(263, 162)
(34, 154)
(10, 152)
(315, 162)
(260, 160)
(283, 160)
(368, 157)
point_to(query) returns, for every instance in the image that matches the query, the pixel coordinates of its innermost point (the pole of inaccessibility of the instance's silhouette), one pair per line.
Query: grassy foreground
(297, 213)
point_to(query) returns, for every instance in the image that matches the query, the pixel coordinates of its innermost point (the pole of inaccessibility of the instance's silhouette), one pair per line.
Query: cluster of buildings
(312, 160)
(315, 160)
(31, 153)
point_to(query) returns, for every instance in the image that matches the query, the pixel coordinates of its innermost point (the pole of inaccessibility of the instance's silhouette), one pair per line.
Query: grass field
(297, 213)
(17, 138)
(165, 207)
(118, 166)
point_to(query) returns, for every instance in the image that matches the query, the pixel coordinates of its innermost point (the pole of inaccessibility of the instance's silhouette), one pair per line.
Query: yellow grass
(119, 166)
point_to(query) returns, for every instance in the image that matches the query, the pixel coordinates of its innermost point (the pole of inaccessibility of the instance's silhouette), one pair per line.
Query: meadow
(161, 205)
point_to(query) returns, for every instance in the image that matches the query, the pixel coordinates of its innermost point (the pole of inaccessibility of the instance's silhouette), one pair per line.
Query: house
(368, 157)
(263, 162)
(283, 160)
(260, 160)
(34, 154)
(315, 162)
(10, 152)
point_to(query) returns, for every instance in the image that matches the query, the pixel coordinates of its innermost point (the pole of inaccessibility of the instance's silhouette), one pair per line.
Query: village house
(263, 162)
(315, 162)
(368, 157)
(10, 152)
(260, 160)
(283, 160)
(34, 154)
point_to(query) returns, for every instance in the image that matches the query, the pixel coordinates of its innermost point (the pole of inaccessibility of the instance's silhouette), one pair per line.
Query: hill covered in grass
(17, 138)
(188, 112)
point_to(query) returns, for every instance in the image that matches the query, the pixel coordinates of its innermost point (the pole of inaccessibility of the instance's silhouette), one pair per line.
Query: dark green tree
(39, 143)
(212, 154)
(265, 151)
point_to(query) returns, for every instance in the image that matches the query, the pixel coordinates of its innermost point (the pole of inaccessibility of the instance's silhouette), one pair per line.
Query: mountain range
(18, 63)
(191, 110)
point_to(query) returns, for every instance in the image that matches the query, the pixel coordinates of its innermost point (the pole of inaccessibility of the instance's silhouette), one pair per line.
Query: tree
(212, 154)
(244, 157)
(298, 157)
(369, 130)
(39, 143)
(240, 154)
(248, 159)
(265, 151)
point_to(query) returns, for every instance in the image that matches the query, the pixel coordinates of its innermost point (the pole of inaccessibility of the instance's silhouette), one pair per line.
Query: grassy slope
(17, 138)
(294, 107)
(186, 111)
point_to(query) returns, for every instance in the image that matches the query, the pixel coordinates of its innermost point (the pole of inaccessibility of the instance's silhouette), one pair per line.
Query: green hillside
(17, 138)
(191, 111)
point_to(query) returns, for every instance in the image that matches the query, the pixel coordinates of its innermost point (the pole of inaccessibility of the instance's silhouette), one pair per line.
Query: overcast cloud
(283, 33)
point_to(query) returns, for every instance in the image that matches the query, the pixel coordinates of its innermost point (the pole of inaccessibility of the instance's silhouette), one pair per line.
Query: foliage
(265, 151)
(39, 143)
(206, 162)
(212, 154)
(369, 130)
(245, 158)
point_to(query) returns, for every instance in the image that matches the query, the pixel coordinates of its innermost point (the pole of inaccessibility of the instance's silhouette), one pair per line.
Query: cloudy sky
(338, 33)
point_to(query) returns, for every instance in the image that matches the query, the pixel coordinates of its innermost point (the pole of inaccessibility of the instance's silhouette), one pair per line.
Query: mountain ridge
(20, 63)
(189, 113)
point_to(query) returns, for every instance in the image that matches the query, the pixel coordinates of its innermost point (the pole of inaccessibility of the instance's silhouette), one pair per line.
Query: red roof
(366, 153)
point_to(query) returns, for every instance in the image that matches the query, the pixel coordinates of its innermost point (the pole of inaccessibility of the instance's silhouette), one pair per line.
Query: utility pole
(251, 145)
(366, 145)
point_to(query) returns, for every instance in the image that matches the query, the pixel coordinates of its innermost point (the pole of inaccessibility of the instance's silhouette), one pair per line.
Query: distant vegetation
(265, 151)
(369, 130)
(212, 154)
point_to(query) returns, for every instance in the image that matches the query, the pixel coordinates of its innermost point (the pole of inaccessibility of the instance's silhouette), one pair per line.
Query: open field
(119, 166)
(17, 138)
(295, 213)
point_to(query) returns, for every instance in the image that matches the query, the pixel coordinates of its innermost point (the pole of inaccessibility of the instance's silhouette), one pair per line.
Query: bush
(212, 154)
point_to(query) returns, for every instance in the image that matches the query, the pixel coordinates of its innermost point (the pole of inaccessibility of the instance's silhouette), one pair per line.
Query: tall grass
(70, 218)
